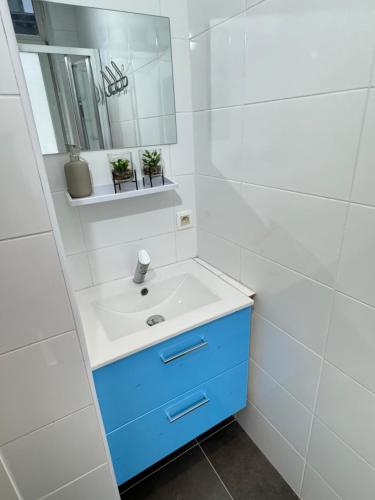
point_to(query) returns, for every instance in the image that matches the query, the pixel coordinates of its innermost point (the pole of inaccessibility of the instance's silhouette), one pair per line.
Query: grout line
(224, 21)
(215, 471)
(284, 190)
(339, 497)
(36, 342)
(49, 424)
(51, 493)
(28, 235)
(259, 367)
(280, 99)
(241, 247)
(159, 468)
(288, 335)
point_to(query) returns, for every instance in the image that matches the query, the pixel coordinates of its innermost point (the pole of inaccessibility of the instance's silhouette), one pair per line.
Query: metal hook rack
(118, 83)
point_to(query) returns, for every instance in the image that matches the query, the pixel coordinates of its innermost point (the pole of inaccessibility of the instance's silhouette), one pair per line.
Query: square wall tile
(20, 188)
(127, 220)
(343, 469)
(34, 303)
(364, 180)
(69, 224)
(275, 447)
(284, 412)
(6, 487)
(182, 153)
(288, 361)
(314, 486)
(79, 270)
(8, 83)
(306, 144)
(205, 14)
(295, 47)
(218, 142)
(217, 66)
(219, 253)
(45, 460)
(357, 266)
(296, 304)
(49, 381)
(351, 340)
(96, 485)
(349, 410)
(301, 232)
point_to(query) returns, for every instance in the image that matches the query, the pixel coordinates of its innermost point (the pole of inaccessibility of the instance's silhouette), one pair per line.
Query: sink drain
(155, 319)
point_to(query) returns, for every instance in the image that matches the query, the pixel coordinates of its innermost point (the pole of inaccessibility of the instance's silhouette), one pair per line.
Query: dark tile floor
(222, 464)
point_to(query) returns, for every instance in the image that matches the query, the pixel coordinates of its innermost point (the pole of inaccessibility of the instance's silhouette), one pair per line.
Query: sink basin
(121, 317)
(128, 311)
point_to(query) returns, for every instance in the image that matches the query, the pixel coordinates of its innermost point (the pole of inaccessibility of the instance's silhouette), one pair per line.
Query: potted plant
(121, 170)
(152, 164)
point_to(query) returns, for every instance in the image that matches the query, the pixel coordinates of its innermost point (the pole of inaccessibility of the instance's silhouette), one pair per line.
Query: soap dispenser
(77, 173)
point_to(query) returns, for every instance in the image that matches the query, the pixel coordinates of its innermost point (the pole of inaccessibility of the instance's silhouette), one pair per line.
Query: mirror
(98, 78)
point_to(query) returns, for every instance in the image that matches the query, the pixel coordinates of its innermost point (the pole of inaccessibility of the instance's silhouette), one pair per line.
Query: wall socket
(184, 220)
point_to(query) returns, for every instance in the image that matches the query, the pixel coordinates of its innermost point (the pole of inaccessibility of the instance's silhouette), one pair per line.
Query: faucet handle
(143, 257)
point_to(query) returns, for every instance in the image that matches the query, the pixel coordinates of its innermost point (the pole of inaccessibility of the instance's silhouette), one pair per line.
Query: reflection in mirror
(98, 78)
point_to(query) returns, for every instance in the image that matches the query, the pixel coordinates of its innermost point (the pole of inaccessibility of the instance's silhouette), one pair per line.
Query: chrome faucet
(142, 266)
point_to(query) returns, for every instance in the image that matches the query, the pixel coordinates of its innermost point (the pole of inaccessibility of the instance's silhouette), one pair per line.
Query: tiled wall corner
(284, 120)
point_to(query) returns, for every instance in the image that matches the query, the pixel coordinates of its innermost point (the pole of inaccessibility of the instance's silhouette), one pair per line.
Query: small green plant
(120, 166)
(151, 162)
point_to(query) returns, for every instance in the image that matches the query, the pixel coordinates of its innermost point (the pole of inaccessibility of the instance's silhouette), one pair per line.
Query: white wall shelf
(106, 193)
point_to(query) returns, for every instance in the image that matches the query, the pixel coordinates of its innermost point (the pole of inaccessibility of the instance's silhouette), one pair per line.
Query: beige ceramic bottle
(77, 173)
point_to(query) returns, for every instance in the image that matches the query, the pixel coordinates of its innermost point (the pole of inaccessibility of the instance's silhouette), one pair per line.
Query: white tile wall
(344, 470)
(315, 487)
(296, 48)
(291, 301)
(35, 372)
(6, 488)
(357, 266)
(94, 486)
(19, 181)
(287, 415)
(351, 340)
(289, 362)
(80, 449)
(283, 131)
(34, 303)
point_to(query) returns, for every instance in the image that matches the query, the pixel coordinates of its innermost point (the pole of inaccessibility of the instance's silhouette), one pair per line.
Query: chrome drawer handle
(188, 410)
(201, 344)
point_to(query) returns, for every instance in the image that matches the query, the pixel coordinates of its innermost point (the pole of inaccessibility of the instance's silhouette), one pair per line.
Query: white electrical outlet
(184, 219)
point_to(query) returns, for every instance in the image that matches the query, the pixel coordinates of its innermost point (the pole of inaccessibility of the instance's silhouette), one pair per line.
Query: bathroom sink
(129, 311)
(121, 317)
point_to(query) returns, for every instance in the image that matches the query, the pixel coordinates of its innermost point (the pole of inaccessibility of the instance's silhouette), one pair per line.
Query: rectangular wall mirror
(98, 78)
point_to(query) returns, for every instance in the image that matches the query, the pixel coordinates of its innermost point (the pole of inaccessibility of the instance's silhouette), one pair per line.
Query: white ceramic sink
(186, 295)
(128, 311)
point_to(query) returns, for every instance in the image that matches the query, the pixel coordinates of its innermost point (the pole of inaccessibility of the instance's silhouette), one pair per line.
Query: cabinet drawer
(144, 441)
(139, 383)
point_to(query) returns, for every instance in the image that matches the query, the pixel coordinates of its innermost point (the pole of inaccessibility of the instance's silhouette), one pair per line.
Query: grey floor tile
(245, 471)
(189, 477)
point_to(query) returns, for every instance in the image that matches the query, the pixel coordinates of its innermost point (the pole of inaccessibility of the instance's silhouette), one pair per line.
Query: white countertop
(103, 349)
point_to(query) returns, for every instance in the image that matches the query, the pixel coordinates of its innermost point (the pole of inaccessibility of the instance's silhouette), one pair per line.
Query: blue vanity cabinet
(156, 400)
